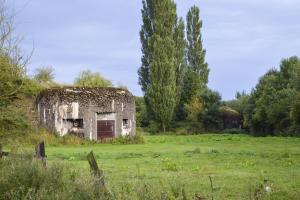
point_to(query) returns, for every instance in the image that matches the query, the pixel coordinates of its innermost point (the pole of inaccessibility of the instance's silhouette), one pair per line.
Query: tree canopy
(89, 79)
(272, 105)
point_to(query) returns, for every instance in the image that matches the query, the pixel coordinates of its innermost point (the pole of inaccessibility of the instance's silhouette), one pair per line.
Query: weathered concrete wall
(58, 107)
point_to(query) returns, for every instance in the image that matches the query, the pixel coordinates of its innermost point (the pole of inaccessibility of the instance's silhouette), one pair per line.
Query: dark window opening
(76, 123)
(126, 124)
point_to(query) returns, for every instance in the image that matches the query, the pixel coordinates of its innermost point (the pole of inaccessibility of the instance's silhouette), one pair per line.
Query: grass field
(237, 164)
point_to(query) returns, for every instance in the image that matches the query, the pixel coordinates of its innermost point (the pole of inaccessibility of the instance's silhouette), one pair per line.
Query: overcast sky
(242, 38)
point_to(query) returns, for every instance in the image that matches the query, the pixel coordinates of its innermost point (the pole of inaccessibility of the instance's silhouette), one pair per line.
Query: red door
(105, 129)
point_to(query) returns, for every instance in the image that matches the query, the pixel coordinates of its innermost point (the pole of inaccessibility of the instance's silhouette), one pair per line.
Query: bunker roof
(96, 94)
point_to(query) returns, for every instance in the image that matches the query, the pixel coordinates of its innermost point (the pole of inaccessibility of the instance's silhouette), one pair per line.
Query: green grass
(238, 164)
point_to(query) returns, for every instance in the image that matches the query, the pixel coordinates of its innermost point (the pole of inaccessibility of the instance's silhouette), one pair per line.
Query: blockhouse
(94, 113)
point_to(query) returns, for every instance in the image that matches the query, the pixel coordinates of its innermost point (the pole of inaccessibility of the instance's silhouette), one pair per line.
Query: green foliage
(147, 31)
(162, 90)
(240, 104)
(194, 109)
(188, 127)
(191, 86)
(180, 51)
(153, 127)
(15, 115)
(26, 178)
(11, 76)
(45, 76)
(196, 76)
(31, 87)
(195, 51)
(136, 139)
(14, 85)
(142, 119)
(236, 162)
(210, 117)
(24, 135)
(295, 116)
(169, 165)
(269, 109)
(224, 110)
(90, 79)
(163, 59)
(203, 114)
(12, 122)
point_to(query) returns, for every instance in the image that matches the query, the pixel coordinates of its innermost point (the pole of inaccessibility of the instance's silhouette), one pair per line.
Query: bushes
(16, 117)
(33, 137)
(54, 140)
(136, 139)
(12, 122)
(271, 107)
(26, 178)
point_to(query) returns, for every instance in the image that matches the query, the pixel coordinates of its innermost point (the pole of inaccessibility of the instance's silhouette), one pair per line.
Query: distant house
(93, 113)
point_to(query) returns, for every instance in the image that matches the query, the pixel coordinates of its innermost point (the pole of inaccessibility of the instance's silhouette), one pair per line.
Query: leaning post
(95, 169)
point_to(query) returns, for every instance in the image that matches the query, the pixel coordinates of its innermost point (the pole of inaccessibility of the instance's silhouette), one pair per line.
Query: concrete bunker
(94, 113)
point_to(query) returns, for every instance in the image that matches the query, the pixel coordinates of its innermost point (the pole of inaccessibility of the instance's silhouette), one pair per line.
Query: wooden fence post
(95, 169)
(40, 152)
(3, 153)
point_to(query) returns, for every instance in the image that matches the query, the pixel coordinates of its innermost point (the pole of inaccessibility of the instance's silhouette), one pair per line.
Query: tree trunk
(164, 127)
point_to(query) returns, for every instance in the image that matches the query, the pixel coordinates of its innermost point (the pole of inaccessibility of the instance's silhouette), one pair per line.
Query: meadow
(240, 166)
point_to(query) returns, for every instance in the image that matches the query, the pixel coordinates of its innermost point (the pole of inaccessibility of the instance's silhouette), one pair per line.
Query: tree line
(273, 106)
(174, 75)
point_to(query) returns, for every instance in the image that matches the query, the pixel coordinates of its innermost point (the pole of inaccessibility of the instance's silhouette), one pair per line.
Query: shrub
(26, 178)
(89, 79)
(153, 127)
(136, 139)
(12, 122)
(170, 165)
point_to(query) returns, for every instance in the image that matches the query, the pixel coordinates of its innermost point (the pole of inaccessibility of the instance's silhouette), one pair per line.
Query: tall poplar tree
(158, 72)
(180, 46)
(197, 71)
(146, 32)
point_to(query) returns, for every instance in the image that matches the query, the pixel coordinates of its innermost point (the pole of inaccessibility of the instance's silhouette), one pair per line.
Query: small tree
(12, 62)
(11, 77)
(194, 109)
(45, 76)
(90, 79)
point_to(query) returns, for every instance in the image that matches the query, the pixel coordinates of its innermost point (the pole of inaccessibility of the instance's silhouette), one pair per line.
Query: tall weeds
(23, 177)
